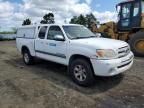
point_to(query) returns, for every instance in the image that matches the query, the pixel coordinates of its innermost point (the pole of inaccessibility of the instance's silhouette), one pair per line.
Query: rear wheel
(81, 72)
(137, 43)
(27, 58)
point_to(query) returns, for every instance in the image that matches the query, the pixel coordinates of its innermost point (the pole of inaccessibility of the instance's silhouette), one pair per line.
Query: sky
(13, 12)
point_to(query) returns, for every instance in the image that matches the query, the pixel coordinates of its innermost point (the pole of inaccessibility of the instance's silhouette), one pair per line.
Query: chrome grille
(123, 51)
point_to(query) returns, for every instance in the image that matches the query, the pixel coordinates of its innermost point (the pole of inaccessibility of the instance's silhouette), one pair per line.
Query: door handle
(41, 42)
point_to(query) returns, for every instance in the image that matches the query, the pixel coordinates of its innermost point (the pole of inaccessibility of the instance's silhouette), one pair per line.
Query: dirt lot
(46, 85)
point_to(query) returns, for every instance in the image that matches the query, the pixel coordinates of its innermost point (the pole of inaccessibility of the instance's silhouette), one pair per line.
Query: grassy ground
(7, 32)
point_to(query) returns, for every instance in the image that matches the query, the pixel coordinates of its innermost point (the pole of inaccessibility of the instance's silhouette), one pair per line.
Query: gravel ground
(46, 85)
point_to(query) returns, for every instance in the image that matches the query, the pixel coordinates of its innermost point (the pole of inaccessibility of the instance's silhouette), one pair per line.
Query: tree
(74, 20)
(27, 22)
(87, 20)
(82, 20)
(48, 19)
(90, 20)
(78, 20)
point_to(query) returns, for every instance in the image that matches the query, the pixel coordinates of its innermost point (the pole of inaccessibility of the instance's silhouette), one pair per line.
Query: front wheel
(137, 43)
(81, 72)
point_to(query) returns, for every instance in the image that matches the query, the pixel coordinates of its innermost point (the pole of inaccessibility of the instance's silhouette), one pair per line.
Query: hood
(101, 43)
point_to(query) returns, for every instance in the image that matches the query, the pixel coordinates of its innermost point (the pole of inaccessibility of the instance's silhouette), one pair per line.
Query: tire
(27, 58)
(87, 76)
(133, 42)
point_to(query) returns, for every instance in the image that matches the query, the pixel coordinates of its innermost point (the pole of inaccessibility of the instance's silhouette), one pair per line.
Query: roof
(127, 1)
(27, 26)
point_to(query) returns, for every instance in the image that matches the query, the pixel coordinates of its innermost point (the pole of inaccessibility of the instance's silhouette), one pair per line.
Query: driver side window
(53, 31)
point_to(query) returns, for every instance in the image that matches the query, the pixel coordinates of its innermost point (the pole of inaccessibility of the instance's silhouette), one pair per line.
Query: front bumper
(112, 67)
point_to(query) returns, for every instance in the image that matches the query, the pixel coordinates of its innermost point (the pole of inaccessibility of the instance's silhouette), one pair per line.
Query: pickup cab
(75, 46)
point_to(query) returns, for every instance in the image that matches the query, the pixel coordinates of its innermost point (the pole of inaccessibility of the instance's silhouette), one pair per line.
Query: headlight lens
(105, 54)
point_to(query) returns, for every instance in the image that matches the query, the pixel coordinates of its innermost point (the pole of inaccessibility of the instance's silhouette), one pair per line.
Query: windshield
(78, 32)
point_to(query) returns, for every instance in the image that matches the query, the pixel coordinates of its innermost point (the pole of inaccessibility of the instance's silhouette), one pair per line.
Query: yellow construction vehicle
(130, 25)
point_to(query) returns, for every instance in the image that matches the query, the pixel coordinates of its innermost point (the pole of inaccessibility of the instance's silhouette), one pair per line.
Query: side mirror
(59, 38)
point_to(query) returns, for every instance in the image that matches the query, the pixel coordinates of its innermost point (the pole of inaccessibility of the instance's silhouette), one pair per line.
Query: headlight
(105, 54)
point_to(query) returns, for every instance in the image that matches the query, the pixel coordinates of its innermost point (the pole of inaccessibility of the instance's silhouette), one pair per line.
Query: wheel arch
(80, 56)
(24, 48)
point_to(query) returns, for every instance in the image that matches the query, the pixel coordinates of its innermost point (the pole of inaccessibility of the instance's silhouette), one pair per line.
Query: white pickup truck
(77, 47)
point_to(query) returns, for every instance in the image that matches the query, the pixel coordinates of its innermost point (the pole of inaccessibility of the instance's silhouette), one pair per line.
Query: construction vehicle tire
(137, 43)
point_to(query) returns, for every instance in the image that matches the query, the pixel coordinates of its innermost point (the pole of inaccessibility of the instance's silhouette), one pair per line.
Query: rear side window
(53, 31)
(26, 32)
(42, 32)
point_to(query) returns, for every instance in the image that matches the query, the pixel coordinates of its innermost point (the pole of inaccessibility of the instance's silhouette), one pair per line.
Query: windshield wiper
(92, 36)
(84, 37)
(80, 37)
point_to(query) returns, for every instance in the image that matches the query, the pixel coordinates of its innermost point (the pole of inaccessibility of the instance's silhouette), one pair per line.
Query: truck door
(55, 49)
(39, 42)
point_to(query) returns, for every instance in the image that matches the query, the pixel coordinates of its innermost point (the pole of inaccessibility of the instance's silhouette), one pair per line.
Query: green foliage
(84, 20)
(27, 22)
(74, 20)
(9, 32)
(6, 32)
(48, 19)
(90, 18)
